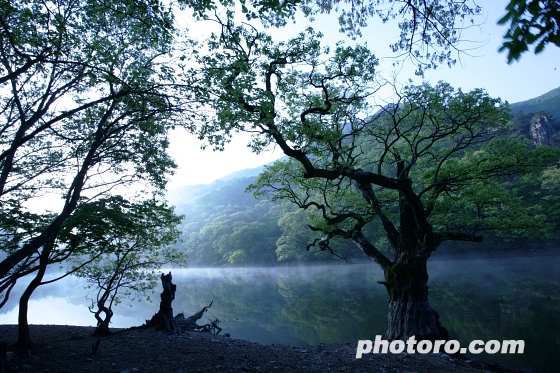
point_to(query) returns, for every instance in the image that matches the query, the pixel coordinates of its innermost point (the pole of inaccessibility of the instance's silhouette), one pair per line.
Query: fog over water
(513, 298)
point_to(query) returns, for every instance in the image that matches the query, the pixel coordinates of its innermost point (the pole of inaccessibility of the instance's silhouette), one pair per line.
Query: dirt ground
(69, 349)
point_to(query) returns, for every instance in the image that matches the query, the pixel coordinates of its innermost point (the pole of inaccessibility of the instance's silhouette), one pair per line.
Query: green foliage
(225, 225)
(90, 98)
(98, 226)
(303, 77)
(488, 193)
(530, 22)
(430, 167)
(296, 237)
(543, 194)
(432, 129)
(127, 243)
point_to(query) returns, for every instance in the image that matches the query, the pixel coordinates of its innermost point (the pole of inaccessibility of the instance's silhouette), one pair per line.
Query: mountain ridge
(189, 193)
(548, 102)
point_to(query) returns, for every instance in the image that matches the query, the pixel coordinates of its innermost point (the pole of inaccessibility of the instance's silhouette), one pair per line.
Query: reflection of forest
(337, 306)
(496, 299)
(308, 305)
(476, 299)
(501, 299)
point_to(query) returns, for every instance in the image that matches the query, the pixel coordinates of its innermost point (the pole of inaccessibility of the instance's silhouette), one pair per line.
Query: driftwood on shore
(164, 320)
(189, 323)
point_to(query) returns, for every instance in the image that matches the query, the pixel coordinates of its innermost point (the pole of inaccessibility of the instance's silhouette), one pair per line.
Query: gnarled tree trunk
(406, 279)
(409, 311)
(164, 320)
(103, 323)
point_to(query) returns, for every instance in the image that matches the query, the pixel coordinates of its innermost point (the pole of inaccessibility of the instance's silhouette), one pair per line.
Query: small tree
(93, 235)
(128, 267)
(80, 237)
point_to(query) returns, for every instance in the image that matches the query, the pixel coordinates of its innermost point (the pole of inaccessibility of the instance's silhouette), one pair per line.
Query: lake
(486, 299)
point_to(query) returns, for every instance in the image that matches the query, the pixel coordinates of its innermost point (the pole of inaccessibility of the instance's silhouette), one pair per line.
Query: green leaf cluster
(530, 22)
(125, 245)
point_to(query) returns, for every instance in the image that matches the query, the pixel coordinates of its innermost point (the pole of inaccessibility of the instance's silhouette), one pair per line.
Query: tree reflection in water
(478, 299)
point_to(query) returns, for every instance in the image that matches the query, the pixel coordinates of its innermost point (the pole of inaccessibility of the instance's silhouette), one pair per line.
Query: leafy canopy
(428, 166)
(125, 249)
(430, 31)
(89, 97)
(530, 22)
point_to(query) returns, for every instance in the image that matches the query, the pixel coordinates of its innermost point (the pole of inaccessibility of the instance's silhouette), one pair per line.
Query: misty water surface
(476, 299)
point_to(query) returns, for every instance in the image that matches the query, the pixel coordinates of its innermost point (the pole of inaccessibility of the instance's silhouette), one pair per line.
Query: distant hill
(248, 172)
(549, 103)
(187, 194)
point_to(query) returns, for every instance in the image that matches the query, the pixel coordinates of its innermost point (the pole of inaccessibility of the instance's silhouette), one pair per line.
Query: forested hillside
(225, 225)
(548, 103)
(538, 118)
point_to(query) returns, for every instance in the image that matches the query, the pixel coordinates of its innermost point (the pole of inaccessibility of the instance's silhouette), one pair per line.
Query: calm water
(476, 299)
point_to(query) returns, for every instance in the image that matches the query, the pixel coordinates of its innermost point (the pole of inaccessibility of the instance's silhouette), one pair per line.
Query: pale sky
(484, 67)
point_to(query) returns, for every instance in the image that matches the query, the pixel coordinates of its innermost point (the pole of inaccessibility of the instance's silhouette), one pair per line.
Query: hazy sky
(482, 67)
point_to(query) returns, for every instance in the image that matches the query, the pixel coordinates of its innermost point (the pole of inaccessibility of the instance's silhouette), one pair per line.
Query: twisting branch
(371, 198)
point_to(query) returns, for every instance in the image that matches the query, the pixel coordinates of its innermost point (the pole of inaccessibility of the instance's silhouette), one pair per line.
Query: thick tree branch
(370, 250)
(371, 198)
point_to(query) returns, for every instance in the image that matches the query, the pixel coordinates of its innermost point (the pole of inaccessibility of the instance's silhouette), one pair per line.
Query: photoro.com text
(412, 346)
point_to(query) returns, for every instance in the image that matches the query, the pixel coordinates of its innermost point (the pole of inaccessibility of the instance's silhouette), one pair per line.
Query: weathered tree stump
(163, 319)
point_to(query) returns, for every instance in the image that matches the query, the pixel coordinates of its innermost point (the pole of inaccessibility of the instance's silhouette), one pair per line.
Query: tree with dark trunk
(114, 244)
(24, 337)
(87, 108)
(88, 104)
(426, 168)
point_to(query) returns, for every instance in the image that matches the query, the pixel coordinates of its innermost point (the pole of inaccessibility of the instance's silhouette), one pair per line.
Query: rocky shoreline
(67, 349)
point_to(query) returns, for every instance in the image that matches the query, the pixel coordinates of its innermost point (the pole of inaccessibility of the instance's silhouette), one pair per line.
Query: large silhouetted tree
(88, 100)
(427, 166)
